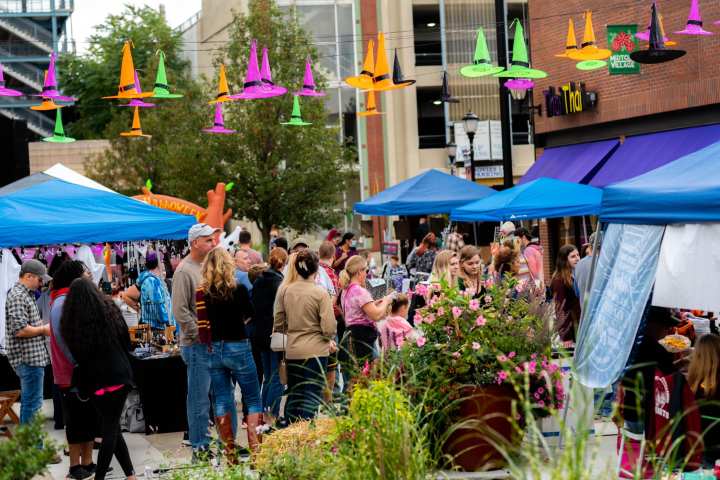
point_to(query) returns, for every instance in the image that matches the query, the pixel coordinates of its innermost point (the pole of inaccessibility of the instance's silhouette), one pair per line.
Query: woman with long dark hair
(346, 249)
(97, 337)
(567, 304)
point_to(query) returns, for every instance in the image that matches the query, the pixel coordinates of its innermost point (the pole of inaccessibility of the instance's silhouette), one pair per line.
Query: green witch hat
(481, 61)
(296, 118)
(59, 133)
(162, 89)
(520, 65)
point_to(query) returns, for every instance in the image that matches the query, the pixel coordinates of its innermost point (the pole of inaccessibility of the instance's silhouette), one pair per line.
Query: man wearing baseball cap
(202, 238)
(25, 336)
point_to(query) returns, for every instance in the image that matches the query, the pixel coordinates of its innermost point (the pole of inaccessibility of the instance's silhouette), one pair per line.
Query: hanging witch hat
(50, 84)
(126, 87)
(656, 52)
(47, 103)
(223, 94)
(445, 94)
(588, 49)
(4, 91)
(370, 107)
(219, 125)
(645, 36)
(138, 102)
(382, 81)
(398, 78)
(308, 88)
(520, 65)
(253, 86)
(271, 89)
(481, 65)
(59, 132)
(694, 21)
(364, 81)
(136, 129)
(161, 88)
(296, 118)
(570, 41)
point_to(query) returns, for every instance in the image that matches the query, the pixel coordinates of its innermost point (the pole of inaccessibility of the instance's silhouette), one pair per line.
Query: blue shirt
(243, 279)
(155, 302)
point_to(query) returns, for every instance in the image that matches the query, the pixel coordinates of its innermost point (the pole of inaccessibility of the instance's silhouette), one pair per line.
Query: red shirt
(336, 284)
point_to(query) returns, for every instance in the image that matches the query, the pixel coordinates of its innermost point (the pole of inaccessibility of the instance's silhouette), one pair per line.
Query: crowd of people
(297, 325)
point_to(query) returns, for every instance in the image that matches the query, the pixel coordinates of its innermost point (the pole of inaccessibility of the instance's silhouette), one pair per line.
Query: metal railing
(29, 30)
(36, 121)
(22, 49)
(31, 6)
(27, 73)
(189, 22)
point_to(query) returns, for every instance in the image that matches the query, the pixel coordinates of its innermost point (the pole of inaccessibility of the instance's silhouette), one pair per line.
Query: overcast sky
(89, 13)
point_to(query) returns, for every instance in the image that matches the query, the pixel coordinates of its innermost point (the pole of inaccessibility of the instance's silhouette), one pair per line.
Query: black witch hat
(656, 52)
(398, 75)
(446, 97)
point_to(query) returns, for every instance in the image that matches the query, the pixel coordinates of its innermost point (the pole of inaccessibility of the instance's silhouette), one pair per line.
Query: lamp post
(451, 150)
(470, 123)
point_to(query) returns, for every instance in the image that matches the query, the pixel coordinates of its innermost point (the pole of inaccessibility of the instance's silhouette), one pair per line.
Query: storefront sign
(622, 42)
(489, 171)
(569, 99)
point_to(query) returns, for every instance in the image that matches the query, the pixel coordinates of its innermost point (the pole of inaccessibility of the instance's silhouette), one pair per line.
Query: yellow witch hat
(588, 50)
(668, 42)
(136, 130)
(370, 107)
(47, 104)
(571, 42)
(223, 89)
(126, 87)
(382, 79)
(364, 81)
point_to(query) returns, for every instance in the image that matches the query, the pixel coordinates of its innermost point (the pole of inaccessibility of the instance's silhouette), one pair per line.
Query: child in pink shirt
(395, 329)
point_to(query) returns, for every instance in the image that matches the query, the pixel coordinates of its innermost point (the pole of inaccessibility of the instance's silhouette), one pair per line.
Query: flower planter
(483, 423)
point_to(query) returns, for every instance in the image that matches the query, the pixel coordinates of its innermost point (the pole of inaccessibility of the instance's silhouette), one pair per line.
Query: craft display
(308, 89)
(656, 51)
(445, 96)
(571, 45)
(589, 50)
(253, 86)
(137, 102)
(161, 88)
(481, 66)
(4, 91)
(50, 84)
(370, 107)
(59, 131)
(126, 87)
(364, 80)
(223, 94)
(219, 125)
(694, 22)
(136, 129)
(266, 77)
(296, 118)
(398, 78)
(520, 64)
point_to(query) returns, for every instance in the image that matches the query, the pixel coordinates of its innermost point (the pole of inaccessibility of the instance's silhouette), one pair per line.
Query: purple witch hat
(137, 102)
(253, 87)
(694, 22)
(219, 125)
(308, 88)
(7, 92)
(50, 86)
(270, 88)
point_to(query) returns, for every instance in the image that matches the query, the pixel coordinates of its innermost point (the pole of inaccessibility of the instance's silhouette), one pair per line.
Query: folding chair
(7, 399)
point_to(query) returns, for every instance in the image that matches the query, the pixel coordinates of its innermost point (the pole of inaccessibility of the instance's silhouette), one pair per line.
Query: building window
(426, 29)
(431, 120)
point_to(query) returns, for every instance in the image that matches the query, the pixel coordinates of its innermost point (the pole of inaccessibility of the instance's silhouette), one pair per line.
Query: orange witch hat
(370, 107)
(364, 81)
(223, 94)
(382, 79)
(136, 130)
(126, 87)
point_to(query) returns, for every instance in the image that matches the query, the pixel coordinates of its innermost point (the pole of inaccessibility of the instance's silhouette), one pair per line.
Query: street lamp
(519, 87)
(451, 150)
(470, 123)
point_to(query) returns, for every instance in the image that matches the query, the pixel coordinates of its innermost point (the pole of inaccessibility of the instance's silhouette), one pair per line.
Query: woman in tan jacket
(304, 310)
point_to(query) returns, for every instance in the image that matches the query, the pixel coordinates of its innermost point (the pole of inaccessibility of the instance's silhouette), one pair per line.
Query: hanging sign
(569, 99)
(622, 42)
(481, 142)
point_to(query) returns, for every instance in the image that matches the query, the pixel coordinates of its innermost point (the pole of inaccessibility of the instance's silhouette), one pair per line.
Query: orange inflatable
(212, 215)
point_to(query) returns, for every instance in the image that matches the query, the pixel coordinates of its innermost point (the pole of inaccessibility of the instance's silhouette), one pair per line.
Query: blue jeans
(31, 389)
(306, 383)
(197, 359)
(228, 361)
(272, 389)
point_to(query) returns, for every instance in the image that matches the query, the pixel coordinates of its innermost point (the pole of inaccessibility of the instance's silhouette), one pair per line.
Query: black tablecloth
(162, 383)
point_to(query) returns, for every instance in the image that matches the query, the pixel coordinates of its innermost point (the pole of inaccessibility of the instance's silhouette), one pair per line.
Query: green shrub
(21, 458)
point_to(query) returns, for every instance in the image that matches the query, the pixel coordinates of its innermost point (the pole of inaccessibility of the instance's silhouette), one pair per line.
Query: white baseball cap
(201, 230)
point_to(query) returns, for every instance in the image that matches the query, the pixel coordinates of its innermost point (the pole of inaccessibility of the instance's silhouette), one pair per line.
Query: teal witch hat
(59, 132)
(520, 64)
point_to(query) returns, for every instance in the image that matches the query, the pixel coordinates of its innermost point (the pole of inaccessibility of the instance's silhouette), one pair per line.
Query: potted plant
(475, 358)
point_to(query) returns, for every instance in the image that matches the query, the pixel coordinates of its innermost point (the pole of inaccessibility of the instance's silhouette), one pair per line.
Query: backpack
(132, 418)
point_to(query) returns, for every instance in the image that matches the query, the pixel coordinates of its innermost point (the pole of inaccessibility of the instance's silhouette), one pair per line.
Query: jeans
(272, 389)
(31, 388)
(110, 406)
(234, 361)
(197, 359)
(306, 383)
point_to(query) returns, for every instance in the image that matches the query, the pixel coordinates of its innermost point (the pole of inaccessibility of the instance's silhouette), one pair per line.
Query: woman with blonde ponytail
(361, 311)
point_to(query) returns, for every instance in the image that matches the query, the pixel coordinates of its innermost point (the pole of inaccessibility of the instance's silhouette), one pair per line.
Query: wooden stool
(7, 399)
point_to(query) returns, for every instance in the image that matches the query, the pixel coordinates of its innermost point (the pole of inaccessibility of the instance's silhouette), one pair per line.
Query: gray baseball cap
(201, 230)
(36, 268)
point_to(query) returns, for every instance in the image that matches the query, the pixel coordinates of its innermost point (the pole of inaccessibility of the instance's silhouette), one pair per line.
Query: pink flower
(430, 319)
(502, 358)
(456, 355)
(488, 299)
(541, 404)
(501, 376)
(420, 341)
(475, 346)
(417, 319)
(441, 311)
(541, 390)
(421, 289)
(480, 321)
(457, 311)
(532, 366)
(553, 368)
(511, 355)
(533, 356)
(537, 396)
(474, 305)
(366, 369)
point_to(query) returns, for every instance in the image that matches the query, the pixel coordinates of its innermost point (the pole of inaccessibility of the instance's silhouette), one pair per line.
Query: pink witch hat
(137, 102)
(308, 88)
(219, 125)
(270, 88)
(253, 86)
(694, 22)
(4, 91)
(50, 86)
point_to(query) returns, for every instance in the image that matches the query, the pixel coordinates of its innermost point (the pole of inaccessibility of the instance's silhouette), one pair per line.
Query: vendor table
(162, 383)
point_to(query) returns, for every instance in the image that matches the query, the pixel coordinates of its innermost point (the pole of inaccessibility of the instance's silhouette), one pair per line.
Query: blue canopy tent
(44, 210)
(540, 198)
(684, 191)
(430, 192)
